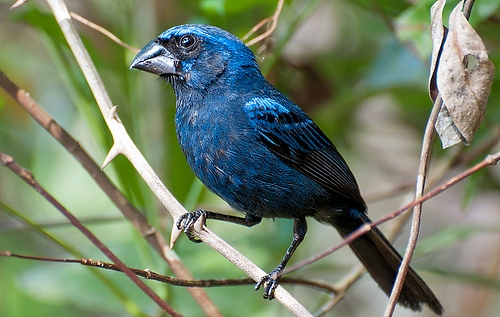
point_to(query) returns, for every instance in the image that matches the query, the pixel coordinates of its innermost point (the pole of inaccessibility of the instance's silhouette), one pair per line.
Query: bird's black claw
(269, 282)
(187, 221)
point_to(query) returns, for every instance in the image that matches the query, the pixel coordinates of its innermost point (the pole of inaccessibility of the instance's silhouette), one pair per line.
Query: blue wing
(295, 138)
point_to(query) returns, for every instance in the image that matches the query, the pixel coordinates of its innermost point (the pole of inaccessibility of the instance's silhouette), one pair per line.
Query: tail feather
(382, 262)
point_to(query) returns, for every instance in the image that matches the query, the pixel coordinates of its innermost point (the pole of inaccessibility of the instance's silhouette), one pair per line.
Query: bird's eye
(187, 41)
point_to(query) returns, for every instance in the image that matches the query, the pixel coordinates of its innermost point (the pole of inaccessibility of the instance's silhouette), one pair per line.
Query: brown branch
(138, 220)
(124, 145)
(273, 20)
(150, 275)
(489, 160)
(396, 229)
(458, 159)
(419, 192)
(417, 210)
(27, 177)
(103, 31)
(342, 286)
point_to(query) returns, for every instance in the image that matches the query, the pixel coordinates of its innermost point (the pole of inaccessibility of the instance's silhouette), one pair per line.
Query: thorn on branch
(18, 4)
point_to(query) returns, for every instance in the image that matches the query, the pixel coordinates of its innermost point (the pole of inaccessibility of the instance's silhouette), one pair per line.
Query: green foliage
(446, 237)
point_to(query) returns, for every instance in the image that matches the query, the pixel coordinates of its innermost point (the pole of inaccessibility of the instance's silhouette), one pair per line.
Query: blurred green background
(359, 68)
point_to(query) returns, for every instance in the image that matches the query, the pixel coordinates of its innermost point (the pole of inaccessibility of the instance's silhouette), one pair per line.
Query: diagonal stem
(417, 210)
(124, 145)
(26, 176)
(419, 192)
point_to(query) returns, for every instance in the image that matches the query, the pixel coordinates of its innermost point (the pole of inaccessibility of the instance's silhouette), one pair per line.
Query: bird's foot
(187, 221)
(269, 282)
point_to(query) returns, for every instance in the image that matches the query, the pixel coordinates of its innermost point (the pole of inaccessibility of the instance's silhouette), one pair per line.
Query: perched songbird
(261, 153)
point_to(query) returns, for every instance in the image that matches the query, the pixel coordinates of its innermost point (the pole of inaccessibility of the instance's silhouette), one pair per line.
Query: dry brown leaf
(463, 75)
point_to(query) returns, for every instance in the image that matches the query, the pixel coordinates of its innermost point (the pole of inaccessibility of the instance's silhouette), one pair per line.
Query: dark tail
(382, 262)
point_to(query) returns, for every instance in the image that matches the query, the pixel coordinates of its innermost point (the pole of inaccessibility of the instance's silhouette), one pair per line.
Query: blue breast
(224, 151)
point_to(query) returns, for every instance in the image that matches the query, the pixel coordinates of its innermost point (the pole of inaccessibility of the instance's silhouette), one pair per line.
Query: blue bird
(262, 154)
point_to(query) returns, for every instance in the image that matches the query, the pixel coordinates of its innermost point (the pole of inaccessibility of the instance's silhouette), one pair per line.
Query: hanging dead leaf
(463, 76)
(447, 130)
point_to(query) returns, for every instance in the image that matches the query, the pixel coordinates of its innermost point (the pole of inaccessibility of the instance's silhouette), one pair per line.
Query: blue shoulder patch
(267, 111)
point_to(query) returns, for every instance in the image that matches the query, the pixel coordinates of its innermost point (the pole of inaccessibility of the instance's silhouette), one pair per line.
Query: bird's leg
(187, 220)
(270, 281)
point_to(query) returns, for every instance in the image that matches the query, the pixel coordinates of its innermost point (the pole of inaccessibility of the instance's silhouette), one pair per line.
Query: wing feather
(296, 139)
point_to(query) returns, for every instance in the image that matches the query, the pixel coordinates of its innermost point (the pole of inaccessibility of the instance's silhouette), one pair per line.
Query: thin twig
(419, 192)
(26, 176)
(124, 145)
(417, 210)
(489, 160)
(103, 31)
(342, 286)
(138, 220)
(274, 22)
(398, 225)
(150, 275)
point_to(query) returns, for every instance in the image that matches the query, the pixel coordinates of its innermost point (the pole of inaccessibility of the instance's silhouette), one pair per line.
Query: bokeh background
(359, 68)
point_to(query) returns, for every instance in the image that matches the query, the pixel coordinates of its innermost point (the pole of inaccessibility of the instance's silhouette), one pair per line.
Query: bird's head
(195, 56)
